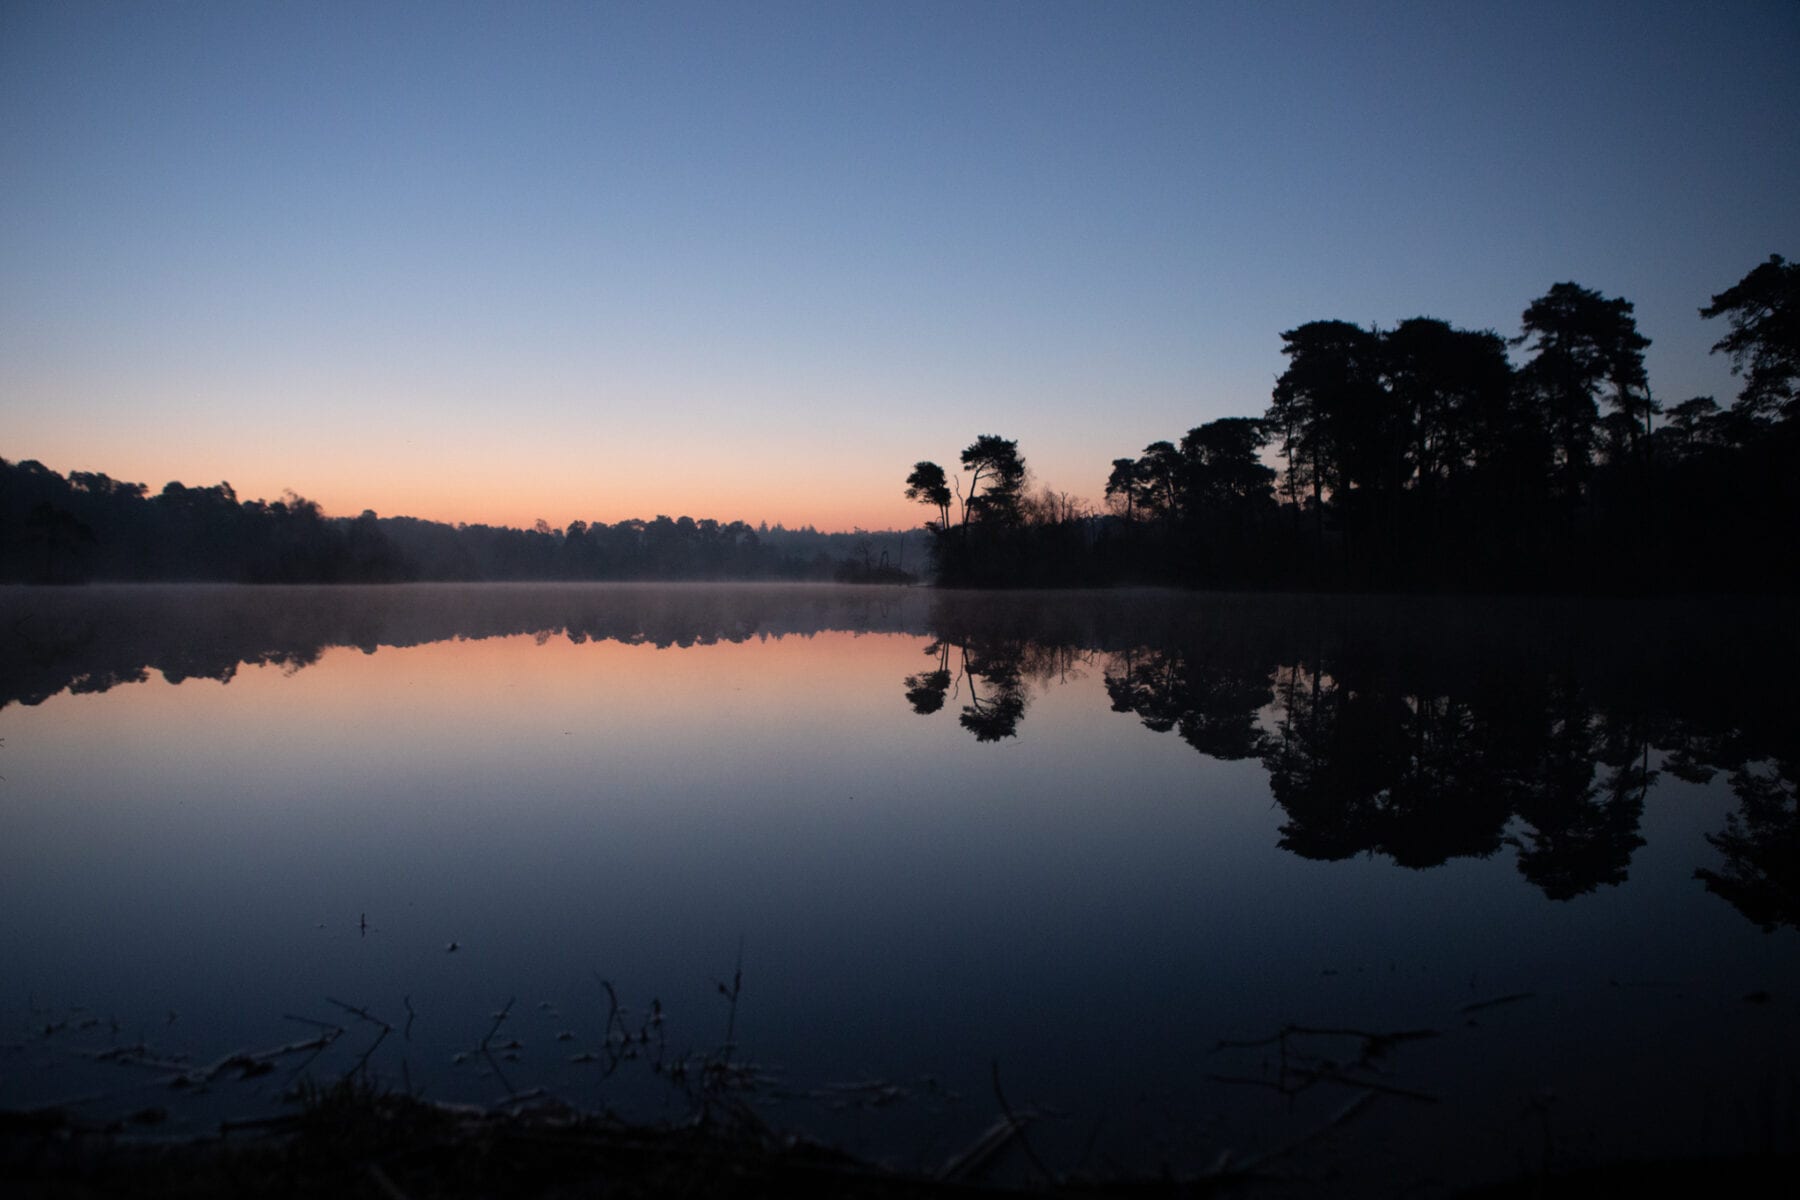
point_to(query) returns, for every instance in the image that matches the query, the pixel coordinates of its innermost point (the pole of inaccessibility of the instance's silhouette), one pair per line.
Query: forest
(88, 526)
(1422, 458)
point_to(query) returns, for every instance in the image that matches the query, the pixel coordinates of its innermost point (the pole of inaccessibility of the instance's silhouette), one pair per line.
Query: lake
(1375, 891)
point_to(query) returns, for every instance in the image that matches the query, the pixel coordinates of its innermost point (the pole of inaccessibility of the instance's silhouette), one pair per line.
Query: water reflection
(1761, 845)
(96, 638)
(989, 677)
(1423, 731)
(1430, 731)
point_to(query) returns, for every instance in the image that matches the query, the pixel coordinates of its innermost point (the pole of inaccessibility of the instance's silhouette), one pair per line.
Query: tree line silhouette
(57, 529)
(1421, 457)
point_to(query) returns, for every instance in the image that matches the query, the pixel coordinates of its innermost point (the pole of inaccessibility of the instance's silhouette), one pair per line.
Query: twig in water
(612, 1008)
(1024, 1142)
(966, 1165)
(616, 1040)
(1311, 1077)
(737, 987)
(137, 1053)
(364, 1013)
(1298, 1070)
(373, 1046)
(310, 1021)
(499, 1019)
(1376, 1044)
(325, 1039)
(333, 1033)
(1354, 1106)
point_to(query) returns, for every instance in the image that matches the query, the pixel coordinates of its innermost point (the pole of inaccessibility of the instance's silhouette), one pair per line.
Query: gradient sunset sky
(496, 262)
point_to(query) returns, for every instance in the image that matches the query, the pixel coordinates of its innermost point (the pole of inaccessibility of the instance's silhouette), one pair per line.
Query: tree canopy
(1763, 311)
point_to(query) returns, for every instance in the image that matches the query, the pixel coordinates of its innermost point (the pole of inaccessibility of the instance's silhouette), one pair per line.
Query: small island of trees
(1421, 458)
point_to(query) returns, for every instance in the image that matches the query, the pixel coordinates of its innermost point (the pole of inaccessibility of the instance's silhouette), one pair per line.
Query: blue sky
(495, 262)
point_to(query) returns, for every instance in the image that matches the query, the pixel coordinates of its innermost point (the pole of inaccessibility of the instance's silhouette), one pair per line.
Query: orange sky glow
(605, 261)
(520, 490)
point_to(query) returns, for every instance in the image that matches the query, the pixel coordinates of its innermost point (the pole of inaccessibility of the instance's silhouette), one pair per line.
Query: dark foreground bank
(356, 1141)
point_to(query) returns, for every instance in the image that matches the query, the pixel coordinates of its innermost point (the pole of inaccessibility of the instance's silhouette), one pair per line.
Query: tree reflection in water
(1420, 730)
(995, 675)
(1761, 845)
(1419, 743)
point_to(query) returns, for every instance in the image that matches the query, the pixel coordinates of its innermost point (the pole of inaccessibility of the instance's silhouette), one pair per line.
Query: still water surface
(1087, 838)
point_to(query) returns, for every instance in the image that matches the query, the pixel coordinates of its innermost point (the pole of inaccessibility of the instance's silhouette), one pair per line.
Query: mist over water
(1087, 837)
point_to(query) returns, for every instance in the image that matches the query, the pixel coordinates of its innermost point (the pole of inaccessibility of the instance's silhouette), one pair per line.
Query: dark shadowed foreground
(351, 1142)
